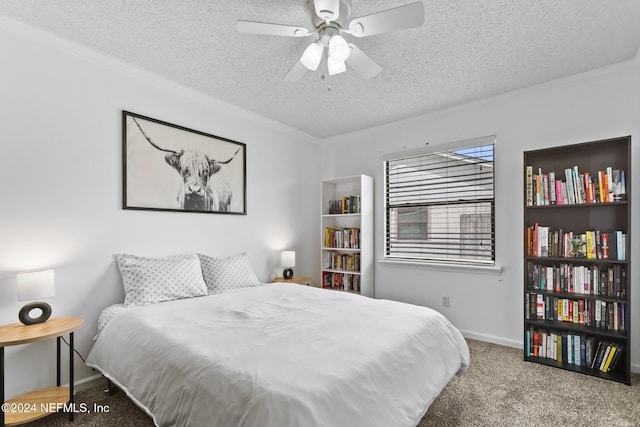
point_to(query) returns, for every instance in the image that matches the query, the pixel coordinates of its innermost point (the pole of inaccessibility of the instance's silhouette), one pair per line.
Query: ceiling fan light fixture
(338, 48)
(335, 66)
(312, 56)
(328, 10)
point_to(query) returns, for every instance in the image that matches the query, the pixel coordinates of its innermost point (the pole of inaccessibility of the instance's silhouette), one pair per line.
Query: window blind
(440, 205)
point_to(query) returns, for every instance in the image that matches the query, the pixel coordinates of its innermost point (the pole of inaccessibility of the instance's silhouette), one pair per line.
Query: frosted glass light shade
(335, 67)
(312, 56)
(288, 259)
(338, 48)
(36, 285)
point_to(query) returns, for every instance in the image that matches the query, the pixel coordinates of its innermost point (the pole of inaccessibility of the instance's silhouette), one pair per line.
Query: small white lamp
(288, 260)
(32, 286)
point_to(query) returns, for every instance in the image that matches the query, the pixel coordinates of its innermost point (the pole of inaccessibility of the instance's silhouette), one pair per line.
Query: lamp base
(287, 273)
(25, 313)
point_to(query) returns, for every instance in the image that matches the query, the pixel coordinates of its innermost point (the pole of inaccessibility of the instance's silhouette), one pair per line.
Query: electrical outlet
(445, 301)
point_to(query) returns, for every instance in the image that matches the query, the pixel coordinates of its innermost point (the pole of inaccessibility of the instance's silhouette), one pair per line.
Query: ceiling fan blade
(296, 72)
(361, 63)
(399, 18)
(252, 27)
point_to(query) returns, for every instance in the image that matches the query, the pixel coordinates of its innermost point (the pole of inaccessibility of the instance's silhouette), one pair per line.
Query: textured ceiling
(466, 50)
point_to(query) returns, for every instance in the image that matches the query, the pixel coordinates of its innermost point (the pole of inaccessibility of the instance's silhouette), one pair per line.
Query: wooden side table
(40, 403)
(300, 280)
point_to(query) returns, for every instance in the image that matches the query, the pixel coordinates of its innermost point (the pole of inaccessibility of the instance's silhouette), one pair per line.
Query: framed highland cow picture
(167, 167)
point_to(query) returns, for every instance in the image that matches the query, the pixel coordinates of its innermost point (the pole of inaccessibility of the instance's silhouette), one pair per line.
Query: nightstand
(28, 406)
(295, 279)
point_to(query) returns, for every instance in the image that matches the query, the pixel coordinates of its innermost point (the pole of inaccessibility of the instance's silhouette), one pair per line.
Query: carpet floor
(499, 389)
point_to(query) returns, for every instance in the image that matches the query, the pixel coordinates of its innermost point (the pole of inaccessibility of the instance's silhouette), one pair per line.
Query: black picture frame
(167, 167)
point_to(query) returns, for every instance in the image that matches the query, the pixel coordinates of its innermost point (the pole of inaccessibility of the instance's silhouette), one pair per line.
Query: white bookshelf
(335, 189)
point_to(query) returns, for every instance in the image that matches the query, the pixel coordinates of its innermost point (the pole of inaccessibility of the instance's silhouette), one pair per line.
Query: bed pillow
(226, 273)
(152, 280)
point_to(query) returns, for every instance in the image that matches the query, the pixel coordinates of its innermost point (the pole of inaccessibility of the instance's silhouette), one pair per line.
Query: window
(439, 205)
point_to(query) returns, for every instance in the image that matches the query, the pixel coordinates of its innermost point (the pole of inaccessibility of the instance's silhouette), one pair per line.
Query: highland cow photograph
(172, 168)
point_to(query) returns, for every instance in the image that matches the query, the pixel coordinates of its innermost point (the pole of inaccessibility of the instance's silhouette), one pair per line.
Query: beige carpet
(499, 389)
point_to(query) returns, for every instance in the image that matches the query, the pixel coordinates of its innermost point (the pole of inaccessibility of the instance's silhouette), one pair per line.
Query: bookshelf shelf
(334, 270)
(580, 206)
(341, 249)
(577, 302)
(574, 368)
(347, 238)
(585, 261)
(350, 215)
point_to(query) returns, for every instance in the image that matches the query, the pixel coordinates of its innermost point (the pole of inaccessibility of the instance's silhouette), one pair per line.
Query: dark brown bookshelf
(579, 218)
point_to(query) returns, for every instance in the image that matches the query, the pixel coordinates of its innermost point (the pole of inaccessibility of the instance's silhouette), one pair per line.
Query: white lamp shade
(288, 259)
(335, 67)
(312, 56)
(338, 48)
(36, 285)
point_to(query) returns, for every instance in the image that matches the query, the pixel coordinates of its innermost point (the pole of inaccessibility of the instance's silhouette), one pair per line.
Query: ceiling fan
(330, 19)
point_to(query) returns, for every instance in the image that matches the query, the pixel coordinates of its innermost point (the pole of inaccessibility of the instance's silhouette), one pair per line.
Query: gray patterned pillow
(152, 280)
(224, 274)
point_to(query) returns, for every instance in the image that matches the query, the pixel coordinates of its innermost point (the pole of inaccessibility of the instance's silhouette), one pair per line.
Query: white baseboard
(87, 382)
(635, 367)
(492, 339)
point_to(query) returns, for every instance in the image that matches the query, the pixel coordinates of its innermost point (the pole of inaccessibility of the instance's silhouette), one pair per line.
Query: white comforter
(281, 355)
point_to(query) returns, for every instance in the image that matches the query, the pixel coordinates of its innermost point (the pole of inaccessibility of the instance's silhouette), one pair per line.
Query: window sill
(460, 268)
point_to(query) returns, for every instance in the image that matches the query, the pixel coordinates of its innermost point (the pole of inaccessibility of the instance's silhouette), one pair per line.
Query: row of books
(342, 281)
(578, 279)
(578, 188)
(597, 314)
(338, 261)
(347, 238)
(541, 241)
(345, 205)
(573, 349)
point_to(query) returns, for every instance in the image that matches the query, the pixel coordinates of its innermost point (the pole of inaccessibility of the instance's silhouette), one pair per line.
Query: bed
(279, 355)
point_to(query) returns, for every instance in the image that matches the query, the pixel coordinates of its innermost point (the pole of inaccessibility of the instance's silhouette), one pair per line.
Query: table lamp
(33, 286)
(287, 260)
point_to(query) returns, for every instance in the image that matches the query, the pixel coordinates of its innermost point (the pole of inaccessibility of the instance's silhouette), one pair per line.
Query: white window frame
(471, 265)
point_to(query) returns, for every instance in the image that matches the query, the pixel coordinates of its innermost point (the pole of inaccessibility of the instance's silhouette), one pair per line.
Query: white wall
(596, 105)
(61, 186)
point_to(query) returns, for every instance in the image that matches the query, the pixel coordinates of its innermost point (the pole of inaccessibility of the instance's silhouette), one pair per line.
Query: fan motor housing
(343, 16)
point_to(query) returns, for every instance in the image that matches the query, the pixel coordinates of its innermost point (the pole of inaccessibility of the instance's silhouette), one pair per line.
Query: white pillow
(152, 280)
(224, 274)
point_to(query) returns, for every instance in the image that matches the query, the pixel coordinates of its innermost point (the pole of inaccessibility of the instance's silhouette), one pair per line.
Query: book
(579, 350)
(587, 187)
(569, 187)
(596, 354)
(545, 188)
(543, 241)
(559, 192)
(605, 356)
(529, 183)
(619, 245)
(605, 245)
(540, 306)
(589, 350)
(616, 357)
(609, 179)
(579, 182)
(601, 357)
